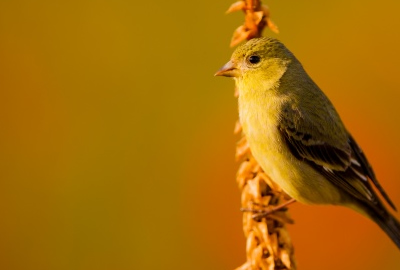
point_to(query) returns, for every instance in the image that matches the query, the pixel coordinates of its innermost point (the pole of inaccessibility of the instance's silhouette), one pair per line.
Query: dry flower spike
(257, 17)
(268, 245)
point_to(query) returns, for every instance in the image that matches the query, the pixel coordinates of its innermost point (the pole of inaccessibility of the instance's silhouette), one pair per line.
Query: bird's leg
(261, 213)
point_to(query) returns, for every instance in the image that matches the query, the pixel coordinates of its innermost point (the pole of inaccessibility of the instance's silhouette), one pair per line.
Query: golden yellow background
(116, 141)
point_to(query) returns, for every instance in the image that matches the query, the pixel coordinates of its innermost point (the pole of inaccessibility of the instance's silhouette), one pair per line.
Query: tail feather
(389, 224)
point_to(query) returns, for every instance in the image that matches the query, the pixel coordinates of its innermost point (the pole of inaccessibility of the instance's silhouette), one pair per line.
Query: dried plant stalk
(256, 19)
(268, 244)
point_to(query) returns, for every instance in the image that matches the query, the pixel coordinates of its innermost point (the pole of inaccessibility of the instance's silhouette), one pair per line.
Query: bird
(297, 136)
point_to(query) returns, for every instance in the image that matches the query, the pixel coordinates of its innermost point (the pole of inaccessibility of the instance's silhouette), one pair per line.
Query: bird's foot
(262, 213)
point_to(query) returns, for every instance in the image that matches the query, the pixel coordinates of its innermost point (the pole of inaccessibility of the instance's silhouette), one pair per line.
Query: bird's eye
(254, 59)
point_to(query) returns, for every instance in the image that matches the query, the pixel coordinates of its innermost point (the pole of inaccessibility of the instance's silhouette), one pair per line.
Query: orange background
(116, 140)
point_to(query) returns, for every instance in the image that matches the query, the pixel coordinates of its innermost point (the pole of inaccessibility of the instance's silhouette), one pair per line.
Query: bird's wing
(339, 159)
(358, 152)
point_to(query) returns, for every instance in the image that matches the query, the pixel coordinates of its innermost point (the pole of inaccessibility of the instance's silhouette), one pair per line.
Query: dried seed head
(268, 244)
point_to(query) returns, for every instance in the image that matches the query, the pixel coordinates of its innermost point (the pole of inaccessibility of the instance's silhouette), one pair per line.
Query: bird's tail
(388, 223)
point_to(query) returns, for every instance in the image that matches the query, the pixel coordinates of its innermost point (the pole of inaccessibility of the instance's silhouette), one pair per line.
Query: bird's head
(261, 57)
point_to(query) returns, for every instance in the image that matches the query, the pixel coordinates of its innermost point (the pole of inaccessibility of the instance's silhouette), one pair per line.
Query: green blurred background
(116, 140)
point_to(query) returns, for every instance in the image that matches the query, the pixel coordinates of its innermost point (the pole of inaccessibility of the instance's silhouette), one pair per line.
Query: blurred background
(117, 145)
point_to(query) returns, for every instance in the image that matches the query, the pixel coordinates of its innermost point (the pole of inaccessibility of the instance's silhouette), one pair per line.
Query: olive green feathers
(298, 138)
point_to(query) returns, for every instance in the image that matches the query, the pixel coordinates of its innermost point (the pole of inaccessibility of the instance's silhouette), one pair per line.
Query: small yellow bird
(298, 138)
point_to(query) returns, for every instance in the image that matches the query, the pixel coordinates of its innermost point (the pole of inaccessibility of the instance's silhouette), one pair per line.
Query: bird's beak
(229, 70)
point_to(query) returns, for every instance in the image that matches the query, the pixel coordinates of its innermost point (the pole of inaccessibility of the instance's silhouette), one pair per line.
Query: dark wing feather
(343, 164)
(328, 160)
(366, 167)
(320, 153)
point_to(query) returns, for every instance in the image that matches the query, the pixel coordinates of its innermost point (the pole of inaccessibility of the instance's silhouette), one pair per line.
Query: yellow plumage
(297, 137)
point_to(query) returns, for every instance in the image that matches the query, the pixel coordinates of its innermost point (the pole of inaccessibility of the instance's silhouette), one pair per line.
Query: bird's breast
(260, 118)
